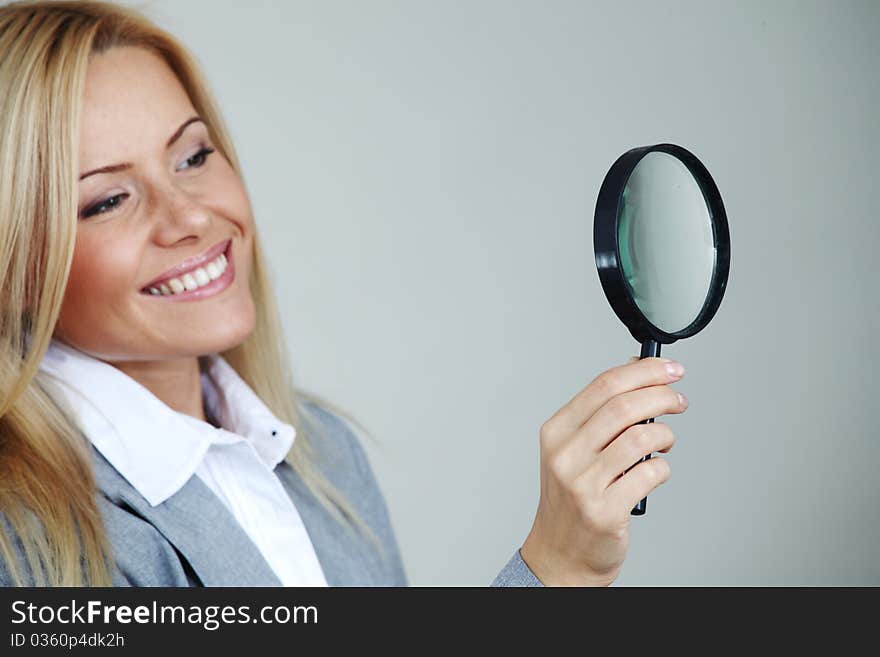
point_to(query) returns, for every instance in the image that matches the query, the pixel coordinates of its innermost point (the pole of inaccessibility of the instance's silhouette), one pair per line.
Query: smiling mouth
(196, 282)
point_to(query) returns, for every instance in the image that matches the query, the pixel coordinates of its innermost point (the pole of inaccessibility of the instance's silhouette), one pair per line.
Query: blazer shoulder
(141, 556)
(339, 445)
(347, 466)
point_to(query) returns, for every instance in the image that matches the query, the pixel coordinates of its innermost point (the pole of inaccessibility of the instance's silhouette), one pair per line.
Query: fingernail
(683, 401)
(675, 369)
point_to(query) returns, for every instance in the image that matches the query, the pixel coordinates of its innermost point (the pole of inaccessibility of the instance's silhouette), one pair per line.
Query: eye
(112, 203)
(198, 160)
(195, 161)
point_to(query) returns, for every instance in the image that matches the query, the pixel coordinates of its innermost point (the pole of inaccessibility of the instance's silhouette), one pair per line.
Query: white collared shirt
(158, 449)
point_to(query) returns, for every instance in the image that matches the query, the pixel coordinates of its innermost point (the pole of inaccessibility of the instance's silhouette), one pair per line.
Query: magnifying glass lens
(666, 247)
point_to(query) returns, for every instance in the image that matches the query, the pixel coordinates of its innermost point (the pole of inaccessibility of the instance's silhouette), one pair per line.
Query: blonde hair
(47, 488)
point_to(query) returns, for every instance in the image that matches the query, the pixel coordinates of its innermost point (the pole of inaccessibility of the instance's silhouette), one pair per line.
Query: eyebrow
(112, 168)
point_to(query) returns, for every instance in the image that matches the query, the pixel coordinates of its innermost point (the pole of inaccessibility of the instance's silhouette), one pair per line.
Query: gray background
(425, 174)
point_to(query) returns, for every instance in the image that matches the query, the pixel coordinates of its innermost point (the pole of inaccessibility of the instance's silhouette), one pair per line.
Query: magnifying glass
(662, 247)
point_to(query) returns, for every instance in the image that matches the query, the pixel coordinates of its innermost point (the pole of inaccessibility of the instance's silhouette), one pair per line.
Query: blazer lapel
(198, 525)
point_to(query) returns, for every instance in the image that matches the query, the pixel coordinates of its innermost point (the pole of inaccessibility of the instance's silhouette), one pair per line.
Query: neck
(176, 382)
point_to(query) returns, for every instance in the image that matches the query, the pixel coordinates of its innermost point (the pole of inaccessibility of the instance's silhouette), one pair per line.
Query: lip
(214, 287)
(190, 264)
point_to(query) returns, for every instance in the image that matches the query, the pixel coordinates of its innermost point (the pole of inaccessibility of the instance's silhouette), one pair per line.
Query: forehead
(132, 102)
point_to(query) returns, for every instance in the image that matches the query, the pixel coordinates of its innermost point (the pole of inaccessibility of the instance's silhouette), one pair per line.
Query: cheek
(229, 187)
(101, 278)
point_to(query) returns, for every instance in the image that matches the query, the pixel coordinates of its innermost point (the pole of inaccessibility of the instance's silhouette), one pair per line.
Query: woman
(150, 433)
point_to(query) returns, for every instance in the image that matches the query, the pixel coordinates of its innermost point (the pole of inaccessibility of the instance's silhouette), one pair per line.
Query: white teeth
(194, 279)
(201, 276)
(189, 282)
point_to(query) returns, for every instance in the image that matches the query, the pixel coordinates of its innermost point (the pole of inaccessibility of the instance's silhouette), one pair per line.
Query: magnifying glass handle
(639, 509)
(650, 349)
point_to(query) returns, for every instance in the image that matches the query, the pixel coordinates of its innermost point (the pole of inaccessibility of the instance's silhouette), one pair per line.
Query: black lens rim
(607, 248)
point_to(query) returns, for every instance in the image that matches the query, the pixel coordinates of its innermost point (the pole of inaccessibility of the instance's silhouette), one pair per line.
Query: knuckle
(577, 490)
(557, 464)
(659, 470)
(592, 513)
(642, 438)
(606, 383)
(603, 520)
(622, 406)
(547, 433)
(587, 500)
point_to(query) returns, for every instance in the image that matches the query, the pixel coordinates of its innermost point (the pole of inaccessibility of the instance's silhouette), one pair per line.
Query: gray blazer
(192, 539)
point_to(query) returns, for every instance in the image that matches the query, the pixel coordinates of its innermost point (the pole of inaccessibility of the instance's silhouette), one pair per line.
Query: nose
(179, 215)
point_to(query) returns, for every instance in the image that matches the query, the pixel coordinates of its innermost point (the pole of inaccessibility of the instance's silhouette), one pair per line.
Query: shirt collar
(156, 448)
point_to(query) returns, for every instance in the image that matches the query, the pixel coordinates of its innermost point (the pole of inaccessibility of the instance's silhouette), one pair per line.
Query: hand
(581, 528)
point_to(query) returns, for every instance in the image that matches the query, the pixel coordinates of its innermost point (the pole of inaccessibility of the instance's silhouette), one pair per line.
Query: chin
(228, 334)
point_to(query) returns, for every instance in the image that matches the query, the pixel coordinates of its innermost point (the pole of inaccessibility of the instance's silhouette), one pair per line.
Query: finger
(610, 383)
(636, 484)
(625, 410)
(634, 443)
(580, 453)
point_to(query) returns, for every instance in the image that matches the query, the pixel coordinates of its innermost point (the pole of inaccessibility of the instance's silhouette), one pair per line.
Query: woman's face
(173, 205)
